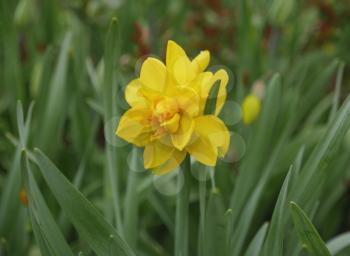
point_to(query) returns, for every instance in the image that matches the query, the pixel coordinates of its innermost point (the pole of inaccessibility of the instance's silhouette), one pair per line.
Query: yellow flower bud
(251, 108)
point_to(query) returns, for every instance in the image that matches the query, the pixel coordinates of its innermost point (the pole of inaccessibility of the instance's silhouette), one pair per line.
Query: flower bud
(251, 108)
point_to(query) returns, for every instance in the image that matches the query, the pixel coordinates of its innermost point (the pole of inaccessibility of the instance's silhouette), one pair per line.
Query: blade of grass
(245, 182)
(110, 111)
(9, 204)
(339, 243)
(255, 246)
(311, 174)
(215, 230)
(87, 220)
(308, 235)
(296, 247)
(78, 178)
(274, 240)
(258, 144)
(317, 88)
(56, 100)
(41, 215)
(336, 97)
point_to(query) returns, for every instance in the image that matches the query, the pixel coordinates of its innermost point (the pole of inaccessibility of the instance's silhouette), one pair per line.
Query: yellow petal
(173, 52)
(202, 86)
(183, 135)
(173, 124)
(202, 150)
(155, 154)
(153, 75)
(204, 83)
(215, 131)
(183, 71)
(222, 76)
(201, 62)
(251, 108)
(187, 99)
(174, 161)
(133, 93)
(133, 126)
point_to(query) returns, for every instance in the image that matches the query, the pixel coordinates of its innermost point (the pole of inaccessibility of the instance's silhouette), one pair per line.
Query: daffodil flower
(167, 111)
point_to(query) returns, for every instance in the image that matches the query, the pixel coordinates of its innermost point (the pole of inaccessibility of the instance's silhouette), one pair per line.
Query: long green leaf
(308, 235)
(42, 217)
(9, 204)
(258, 148)
(255, 246)
(275, 236)
(245, 182)
(339, 243)
(109, 93)
(88, 221)
(215, 229)
(312, 173)
(56, 100)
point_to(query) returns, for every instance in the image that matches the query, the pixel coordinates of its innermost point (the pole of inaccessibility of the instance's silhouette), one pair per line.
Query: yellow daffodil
(167, 111)
(251, 108)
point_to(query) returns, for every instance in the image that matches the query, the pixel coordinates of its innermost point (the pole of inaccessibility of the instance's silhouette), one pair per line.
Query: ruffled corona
(167, 111)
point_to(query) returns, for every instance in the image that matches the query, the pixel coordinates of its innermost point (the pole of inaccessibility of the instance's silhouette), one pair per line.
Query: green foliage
(308, 235)
(283, 185)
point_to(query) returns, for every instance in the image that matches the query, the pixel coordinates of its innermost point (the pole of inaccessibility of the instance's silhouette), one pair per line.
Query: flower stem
(131, 203)
(202, 202)
(182, 206)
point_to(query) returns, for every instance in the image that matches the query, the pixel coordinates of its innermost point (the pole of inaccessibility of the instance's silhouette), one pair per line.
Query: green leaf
(336, 97)
(275, 236)
(258, 148)
(9, 204)
(249, 181)
(254, 248)
(56, 99)
(339, 243)
(110, 110)
(312, 174)
(316, 89)
(42, 217)
(87, 220)
(20, 122)
(308, 235)
(215, 228)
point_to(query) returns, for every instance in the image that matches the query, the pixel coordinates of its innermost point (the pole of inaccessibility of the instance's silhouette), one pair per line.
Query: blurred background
(50, 54)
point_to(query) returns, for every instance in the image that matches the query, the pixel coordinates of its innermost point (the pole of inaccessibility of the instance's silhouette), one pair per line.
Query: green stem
(132, 202)
(202, 194)
(182, 207)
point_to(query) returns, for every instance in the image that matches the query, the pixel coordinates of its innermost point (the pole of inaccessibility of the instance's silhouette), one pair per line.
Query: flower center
(165, 117)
